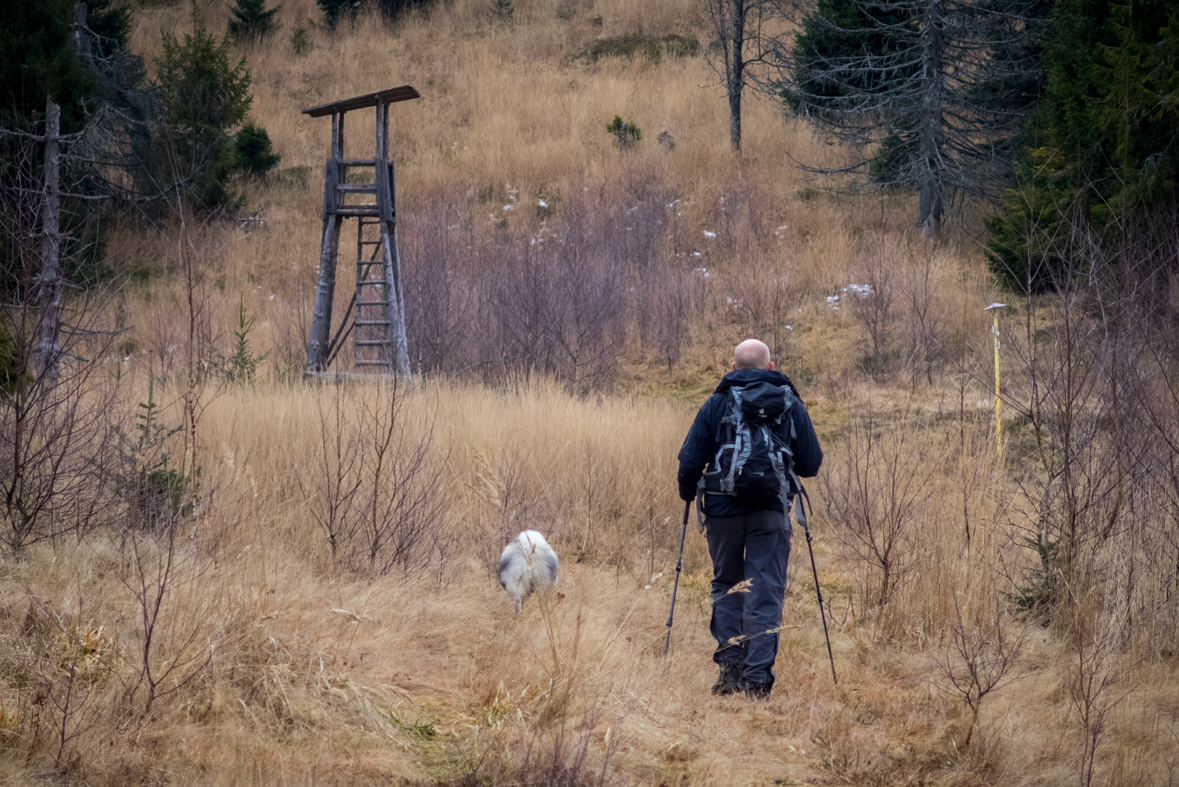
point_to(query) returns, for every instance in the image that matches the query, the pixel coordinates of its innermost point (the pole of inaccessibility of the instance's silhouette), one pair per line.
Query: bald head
(752, 354)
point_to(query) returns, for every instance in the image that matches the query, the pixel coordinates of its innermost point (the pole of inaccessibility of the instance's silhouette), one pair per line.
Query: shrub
(888, 167)
(252, 19)
(1028, 248)
(1040, 590)
(152, 490)
(253, 150)
(626, 133)
(391, 10)
(335, 10)
(501, 10)
(241, 365)
(300, 41)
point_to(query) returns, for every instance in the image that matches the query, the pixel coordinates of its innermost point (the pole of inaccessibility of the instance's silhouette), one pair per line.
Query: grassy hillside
(323, 608)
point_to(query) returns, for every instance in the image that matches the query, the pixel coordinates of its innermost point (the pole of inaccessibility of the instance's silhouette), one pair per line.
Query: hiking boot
(729, 681)
(757, 692)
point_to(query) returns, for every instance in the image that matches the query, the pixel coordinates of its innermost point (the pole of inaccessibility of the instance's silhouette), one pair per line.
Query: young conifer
(252, 19)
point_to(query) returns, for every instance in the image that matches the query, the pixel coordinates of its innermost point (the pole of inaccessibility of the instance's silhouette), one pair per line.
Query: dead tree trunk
(49, 281)
(737, 25)
(735, 73)
(931, 136)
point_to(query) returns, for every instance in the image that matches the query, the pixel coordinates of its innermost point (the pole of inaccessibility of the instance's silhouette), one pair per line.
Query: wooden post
(397, 323)
(386, 208)
(994, 309)
(321, 317)
(49, 284)
(383, 139)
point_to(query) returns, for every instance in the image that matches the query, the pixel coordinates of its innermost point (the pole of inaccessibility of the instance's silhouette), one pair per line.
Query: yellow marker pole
(998, 402)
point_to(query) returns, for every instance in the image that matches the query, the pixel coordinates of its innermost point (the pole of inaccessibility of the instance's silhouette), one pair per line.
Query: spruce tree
(1102, 147)
(253, 150)
(252, 20)
(908, 86)
(204, 97)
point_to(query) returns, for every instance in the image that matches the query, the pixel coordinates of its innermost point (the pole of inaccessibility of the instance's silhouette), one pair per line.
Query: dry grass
(317, 672)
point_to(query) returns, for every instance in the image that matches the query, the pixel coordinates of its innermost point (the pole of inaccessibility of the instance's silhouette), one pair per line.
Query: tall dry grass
(291, 664)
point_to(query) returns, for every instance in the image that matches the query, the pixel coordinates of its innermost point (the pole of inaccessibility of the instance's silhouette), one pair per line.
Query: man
(748, 534)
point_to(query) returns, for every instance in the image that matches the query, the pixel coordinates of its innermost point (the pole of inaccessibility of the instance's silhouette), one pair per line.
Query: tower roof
(387, 96)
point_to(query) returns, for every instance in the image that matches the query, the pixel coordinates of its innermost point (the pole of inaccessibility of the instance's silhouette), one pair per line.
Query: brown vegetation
(296, 584)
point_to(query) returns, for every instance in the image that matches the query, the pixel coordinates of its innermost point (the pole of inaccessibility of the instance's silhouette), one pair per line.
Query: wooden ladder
(370, 339)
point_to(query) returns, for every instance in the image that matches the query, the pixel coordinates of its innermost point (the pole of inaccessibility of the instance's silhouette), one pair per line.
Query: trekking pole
(815, 570)
(679, 564)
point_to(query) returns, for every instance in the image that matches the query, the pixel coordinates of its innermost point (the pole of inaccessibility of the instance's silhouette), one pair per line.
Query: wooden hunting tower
(376, 315)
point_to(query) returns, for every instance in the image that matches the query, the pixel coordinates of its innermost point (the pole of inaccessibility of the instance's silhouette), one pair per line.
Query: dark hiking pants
(754, 546)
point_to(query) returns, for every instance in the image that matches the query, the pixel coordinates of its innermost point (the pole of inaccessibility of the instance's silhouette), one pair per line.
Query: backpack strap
(741, 446)
(788, 480)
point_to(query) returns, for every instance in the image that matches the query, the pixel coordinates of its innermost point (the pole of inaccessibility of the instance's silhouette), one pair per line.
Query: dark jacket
(700, 446)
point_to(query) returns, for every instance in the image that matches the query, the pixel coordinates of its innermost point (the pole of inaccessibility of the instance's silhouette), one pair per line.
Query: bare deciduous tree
(54, 436)
(741, 38)
(1093, 674)
(332, 494)
(373, 494)
(401, 502)
(874, 496)
(874, 306)
(178, 636)
(980, 658)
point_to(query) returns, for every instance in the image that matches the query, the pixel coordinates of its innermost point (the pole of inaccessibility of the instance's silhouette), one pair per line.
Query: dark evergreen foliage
(205, 97)
(251, 19)
(111, 26)
(253, 150)
(1103, 147)
(839, 32)
(37, 60)
(392, 10)
(336, 11)
(919, 91)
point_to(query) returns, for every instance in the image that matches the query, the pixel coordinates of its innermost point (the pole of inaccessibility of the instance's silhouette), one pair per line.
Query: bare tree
(980, 658)
(178, 636)
(373, 493)
(54, 437)
(400, 502)
(741, 37)
(873, 303)
(874, 497)
(1094, 673)
(332, 493)
(583, 318)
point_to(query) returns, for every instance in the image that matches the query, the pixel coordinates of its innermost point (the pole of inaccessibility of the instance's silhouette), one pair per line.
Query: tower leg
(395, 306)
(321, 318)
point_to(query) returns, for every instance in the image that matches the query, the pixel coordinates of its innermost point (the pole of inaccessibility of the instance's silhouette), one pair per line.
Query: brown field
(322, 606)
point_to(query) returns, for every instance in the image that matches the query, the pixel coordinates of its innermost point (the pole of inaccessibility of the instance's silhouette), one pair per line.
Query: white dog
(528, 564)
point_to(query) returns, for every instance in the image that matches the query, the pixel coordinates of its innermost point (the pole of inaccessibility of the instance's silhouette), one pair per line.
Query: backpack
(754, 463)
